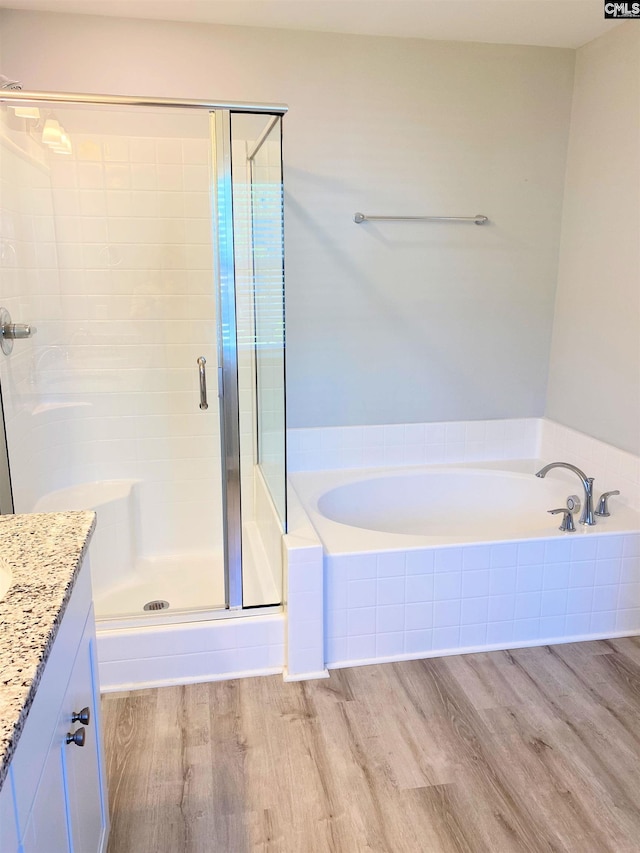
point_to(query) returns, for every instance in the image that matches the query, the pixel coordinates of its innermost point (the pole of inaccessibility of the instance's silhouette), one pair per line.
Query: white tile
(337, 623)
(526, 630)
(306, 578)
(628, 620)
(630, 572)
(503, 555)
(605, 598)
(577, 624)
(195, 177)
(500, 632)
(631, 546)
(361, 566)
(629, 595)
(556, 576)
(474, 610)
(475, 583)
(418, 616)
(530, 553)
(388, 644)
(308, 635)
(608, 571)
(582, 573)
(527, 605)
(446, 614)
(391, 564)
(448, 559)
(307, 605)
(610, 546)
(361, 620)
(394, 435)
(142, 150)
(169, 150)
(415, 433)
(554, 602)
(473, 635)
(557, 551)
(455, 432)
(602, 623)
(305, 660)
(502, 580)
(419, 562)
(390, 591)
(336, 594)
(390, 618)
(447, 585)
(418, 641)
(584, 548)
(476, 557)
(337, 649)
(501, 608)
(418, 588)
(529, 578)
(361, 593)
(362, 647)
(435, 433)
(446, 638)
(580, 600)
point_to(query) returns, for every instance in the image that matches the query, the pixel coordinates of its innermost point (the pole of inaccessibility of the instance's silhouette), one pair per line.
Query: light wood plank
(529, 751)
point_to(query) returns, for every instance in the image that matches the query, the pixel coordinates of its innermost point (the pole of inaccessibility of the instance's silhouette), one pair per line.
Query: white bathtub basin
(361, 510)
(448, 503)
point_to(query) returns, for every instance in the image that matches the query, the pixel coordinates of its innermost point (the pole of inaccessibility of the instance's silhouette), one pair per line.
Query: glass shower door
(258, 224)
(106, 248)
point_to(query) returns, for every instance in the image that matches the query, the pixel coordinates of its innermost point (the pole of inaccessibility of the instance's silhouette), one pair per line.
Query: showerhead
(6, 83)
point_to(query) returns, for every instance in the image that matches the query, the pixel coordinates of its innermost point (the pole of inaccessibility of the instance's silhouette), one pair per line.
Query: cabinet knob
(83, 716)
(77, 737)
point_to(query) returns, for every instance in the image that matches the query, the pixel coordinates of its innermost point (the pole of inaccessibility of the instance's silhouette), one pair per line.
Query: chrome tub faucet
(587, 516)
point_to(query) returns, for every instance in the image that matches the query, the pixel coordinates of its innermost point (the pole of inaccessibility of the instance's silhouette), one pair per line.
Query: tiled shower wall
(124, 307)
(28, 265)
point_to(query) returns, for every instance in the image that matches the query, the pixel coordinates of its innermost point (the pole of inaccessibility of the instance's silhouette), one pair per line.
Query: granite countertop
(45, 552)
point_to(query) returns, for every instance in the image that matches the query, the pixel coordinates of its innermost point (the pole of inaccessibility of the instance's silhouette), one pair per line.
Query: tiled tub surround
(332, 448)
(391, 597)
(45, 552)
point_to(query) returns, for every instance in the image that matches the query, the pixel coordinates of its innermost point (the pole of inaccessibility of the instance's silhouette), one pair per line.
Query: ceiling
(553, 23)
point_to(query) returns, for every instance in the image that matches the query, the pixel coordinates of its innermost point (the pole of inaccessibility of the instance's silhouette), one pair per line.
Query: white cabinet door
(46, 828)
(82, 764)
(8, 826)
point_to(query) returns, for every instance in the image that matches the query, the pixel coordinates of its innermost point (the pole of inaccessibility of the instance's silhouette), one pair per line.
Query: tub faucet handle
(603, 503)
(567, 519)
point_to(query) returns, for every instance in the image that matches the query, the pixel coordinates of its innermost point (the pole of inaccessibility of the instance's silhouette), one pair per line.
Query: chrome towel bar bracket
(479, 219)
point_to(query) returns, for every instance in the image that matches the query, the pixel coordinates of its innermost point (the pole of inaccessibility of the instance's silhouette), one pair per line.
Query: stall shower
(141, 243)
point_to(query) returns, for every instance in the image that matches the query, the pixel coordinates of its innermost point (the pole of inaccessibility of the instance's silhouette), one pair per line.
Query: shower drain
(158, 604)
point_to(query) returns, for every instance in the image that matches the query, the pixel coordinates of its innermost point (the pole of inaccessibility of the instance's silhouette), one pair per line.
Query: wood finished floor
(529, 750)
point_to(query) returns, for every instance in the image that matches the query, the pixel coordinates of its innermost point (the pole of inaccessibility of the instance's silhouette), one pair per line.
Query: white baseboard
(111, 683)
(305, 676)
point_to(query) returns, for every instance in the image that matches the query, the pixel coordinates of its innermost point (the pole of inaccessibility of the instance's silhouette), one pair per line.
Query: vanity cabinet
(56, 775)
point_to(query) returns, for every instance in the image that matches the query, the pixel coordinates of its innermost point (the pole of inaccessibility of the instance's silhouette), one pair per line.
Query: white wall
(392, 322)
(594, 377)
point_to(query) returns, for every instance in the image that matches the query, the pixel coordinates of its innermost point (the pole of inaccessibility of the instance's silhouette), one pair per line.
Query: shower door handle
(203, 382)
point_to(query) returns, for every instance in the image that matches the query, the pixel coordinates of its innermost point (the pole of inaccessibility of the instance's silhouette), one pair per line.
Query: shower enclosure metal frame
(224, 274)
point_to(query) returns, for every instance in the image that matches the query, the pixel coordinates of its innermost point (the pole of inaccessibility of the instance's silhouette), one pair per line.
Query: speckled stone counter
(45, 552)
